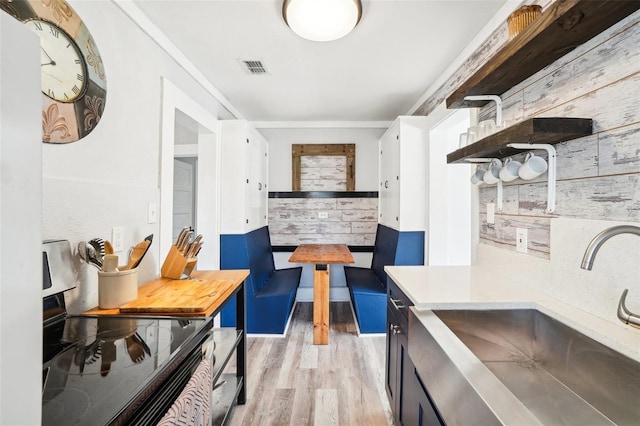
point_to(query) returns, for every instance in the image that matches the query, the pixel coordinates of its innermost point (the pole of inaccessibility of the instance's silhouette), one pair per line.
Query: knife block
(176, 265)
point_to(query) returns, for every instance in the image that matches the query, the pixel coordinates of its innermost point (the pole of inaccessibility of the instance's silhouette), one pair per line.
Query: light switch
(152, 213)
(491, 213)
(117, 238)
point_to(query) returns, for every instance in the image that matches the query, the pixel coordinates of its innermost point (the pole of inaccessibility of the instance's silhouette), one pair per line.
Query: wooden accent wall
(598, 175)
(294, 221)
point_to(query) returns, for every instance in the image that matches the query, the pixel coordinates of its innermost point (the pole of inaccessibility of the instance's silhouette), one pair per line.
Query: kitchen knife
(182, 235)
(185, 243)
(193, 247)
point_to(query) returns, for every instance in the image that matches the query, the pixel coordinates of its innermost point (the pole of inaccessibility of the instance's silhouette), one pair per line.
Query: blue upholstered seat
(367, 286)
(270, 293)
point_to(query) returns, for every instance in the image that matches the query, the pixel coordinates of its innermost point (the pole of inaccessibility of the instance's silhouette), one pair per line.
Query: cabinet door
(423, 412)
(255, 182)
(389, 177)
(391, 371)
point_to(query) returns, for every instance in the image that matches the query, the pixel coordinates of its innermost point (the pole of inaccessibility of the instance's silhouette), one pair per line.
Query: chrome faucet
(624, 314)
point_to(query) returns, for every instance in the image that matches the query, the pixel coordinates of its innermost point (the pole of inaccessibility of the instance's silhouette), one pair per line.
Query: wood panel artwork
(345, 150)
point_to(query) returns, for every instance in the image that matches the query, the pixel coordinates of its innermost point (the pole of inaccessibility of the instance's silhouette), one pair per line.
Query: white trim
(148, 27)
(321, 124)
(190, 150)
(494, 23)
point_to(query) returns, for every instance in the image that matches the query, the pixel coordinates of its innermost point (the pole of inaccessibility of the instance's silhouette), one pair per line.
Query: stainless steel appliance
(110, 369)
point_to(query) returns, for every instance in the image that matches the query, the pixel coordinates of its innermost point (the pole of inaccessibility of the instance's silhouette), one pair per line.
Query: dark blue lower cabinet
(407, 393)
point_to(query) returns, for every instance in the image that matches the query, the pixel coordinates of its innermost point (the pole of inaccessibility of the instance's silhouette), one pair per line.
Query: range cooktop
(100, 370)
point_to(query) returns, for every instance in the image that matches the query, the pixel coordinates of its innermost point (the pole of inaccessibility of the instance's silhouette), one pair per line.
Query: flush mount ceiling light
(322, 20)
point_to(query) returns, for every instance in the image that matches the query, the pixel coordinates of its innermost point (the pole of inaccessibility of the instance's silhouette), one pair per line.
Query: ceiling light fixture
(322, 20)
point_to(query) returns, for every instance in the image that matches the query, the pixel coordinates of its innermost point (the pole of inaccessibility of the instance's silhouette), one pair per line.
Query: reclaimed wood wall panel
(352, 221)
(619, 151)
(598, 175)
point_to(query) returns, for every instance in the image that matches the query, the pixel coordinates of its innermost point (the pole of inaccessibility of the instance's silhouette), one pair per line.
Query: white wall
(280, 141)
(108, 178)
(449, 235)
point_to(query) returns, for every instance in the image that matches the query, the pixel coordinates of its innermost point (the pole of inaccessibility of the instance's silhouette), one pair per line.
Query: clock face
(74, 84)
(62, 65)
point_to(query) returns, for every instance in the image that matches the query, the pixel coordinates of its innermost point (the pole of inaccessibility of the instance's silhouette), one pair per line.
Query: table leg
(321, 305)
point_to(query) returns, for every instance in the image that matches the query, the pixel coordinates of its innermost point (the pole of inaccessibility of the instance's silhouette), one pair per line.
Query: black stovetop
(97, 369)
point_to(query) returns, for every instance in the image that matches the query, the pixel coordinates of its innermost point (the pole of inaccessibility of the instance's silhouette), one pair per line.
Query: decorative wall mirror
(325, 167)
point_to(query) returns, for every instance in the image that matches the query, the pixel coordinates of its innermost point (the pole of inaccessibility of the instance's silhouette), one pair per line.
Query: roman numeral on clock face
(54, 32)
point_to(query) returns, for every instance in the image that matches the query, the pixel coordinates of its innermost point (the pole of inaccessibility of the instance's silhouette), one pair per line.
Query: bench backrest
(384, 251)
(260, 256)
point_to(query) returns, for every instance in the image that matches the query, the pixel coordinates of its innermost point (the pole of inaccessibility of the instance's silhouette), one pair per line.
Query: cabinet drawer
(398, 301)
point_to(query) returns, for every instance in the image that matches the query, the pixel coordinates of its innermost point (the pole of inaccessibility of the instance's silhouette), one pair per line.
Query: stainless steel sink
(561, 376)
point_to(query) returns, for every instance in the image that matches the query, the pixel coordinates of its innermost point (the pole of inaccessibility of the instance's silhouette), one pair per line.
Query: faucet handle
(624, 314)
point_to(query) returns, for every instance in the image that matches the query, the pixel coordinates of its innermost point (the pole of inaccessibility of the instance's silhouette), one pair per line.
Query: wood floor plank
(326, 407)
(293, 382)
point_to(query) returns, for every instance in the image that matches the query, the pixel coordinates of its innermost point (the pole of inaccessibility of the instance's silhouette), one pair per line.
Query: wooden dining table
(321, 255)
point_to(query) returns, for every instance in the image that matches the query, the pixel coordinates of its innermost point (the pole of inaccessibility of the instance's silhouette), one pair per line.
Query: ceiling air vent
(254, 67)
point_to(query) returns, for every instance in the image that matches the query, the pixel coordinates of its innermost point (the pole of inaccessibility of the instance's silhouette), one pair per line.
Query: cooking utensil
(88, 253)
(98, 246)
(108, 248)
(138, 252)
(110, 263)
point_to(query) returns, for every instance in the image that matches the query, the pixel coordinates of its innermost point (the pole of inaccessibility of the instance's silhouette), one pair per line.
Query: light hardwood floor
(293, 382)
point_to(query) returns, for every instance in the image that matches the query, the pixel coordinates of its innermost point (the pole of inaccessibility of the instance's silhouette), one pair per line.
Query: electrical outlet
(491, 213)
(117, 238)
(323, 215)
(521, 240)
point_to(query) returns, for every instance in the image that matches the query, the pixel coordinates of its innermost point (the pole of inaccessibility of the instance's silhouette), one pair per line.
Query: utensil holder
(117, 288)
(176, 265)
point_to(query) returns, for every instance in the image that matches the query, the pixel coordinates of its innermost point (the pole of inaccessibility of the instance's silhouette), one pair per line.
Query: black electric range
(115, 369)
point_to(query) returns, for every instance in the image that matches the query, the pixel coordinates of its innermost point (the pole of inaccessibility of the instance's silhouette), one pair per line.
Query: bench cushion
(363, 280)
(281, 281)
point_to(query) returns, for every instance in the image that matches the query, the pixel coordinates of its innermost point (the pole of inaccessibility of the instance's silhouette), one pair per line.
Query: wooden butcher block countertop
(200, 296)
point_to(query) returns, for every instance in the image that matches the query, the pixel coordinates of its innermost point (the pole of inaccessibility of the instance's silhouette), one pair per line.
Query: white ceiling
(376, 73)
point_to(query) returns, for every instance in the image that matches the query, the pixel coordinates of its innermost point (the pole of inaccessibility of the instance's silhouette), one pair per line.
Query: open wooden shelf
(561, 28)
(534, 130)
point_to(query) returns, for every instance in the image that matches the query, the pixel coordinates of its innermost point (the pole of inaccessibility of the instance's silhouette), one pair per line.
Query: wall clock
(73, 83)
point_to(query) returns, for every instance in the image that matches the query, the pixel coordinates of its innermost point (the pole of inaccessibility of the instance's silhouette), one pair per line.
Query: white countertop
(473, 287)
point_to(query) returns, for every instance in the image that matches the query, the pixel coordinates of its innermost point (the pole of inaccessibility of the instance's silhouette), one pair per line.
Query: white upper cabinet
(402, 171)
(243, 178)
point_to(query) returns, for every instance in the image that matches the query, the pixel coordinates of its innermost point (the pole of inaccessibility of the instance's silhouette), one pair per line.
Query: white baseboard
(336, 294)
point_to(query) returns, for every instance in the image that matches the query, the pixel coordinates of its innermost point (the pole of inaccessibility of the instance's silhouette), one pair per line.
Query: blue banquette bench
(368, 286)
(270, 292)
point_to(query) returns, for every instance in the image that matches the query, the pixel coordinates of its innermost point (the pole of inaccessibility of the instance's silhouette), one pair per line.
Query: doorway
(189, 174)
